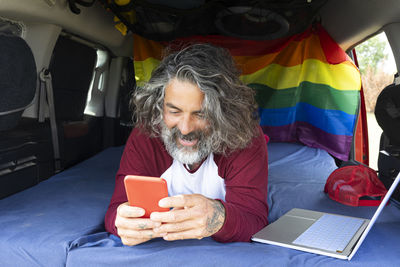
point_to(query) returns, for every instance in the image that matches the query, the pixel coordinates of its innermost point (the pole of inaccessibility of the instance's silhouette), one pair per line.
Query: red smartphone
(145, 192)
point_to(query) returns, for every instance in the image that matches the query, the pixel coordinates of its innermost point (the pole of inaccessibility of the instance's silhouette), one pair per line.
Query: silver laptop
(322, 233)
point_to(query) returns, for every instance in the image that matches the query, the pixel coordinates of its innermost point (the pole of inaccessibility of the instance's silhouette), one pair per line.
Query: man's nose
(186, 125)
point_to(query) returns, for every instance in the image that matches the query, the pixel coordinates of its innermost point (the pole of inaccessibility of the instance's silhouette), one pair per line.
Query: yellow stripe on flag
(143, 70)
(341, 76)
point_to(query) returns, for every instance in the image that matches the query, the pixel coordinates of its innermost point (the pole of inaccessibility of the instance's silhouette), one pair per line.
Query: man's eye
(173, 112)
(200, 115)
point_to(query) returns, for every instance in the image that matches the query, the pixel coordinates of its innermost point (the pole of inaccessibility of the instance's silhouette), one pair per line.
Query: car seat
(387, 113)
(71, 67)
(17, 79)
(24, 150)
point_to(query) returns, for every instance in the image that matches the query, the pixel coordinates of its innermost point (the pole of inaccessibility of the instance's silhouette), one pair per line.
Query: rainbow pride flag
(308, 90)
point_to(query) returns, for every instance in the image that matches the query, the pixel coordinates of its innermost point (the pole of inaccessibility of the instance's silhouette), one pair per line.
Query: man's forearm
(217, 218)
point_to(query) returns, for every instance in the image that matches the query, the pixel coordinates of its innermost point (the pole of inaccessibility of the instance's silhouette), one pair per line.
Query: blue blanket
(60, 221)
(39, 224)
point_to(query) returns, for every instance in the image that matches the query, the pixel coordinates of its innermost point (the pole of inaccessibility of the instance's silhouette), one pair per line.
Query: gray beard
(185, 155)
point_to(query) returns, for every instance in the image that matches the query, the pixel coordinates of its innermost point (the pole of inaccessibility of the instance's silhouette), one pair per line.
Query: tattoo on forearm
(142, 226)
(217, 219)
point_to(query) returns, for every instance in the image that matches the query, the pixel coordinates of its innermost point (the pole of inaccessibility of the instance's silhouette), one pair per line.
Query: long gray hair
(228, 106)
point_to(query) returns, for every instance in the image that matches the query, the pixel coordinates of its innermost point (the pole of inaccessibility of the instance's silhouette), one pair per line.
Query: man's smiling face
(185, 130)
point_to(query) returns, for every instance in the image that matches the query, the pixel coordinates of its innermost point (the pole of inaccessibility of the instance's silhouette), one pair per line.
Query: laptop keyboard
(330, 232)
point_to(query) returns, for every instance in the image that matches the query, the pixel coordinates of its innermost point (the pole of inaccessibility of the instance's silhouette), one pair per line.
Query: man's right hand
(132, 229)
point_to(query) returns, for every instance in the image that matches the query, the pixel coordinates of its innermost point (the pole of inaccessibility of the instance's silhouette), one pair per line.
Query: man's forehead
(183, 94)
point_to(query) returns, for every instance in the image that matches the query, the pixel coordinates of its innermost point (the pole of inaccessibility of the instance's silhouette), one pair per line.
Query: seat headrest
(17, 79)
(387, 112)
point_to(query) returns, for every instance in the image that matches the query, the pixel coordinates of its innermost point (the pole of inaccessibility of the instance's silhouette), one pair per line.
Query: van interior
(68, 69)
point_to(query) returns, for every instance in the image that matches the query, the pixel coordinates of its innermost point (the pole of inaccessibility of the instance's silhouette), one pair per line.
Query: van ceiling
(93, 23)
(348, 21)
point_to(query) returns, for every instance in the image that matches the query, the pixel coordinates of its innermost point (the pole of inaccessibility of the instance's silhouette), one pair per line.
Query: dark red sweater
(245, 173)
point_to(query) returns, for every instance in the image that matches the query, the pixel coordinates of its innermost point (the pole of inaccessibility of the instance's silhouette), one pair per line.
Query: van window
(377, 67)
(71, 79)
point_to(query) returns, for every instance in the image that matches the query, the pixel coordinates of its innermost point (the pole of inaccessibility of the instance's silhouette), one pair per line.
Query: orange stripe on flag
(293, 54)
(144, 48)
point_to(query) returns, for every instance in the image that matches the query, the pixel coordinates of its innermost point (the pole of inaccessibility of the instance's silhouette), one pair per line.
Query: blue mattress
(60, 221)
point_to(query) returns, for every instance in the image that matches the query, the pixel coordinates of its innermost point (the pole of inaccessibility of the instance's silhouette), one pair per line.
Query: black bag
(387, 113)
(389, 164)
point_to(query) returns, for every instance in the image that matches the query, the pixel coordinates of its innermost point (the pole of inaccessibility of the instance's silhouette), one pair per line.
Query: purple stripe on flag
(305, 133)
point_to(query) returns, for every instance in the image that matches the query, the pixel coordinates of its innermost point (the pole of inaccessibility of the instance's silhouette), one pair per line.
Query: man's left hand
(192, 216)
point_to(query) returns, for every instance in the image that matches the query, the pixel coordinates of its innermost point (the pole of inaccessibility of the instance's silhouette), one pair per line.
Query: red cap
(348, 184)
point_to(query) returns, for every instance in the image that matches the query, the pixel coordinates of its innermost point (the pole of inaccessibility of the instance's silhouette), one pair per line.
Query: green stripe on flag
(319, 95)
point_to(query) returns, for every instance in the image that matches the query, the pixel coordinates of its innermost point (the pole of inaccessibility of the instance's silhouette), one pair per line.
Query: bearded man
(196, 127)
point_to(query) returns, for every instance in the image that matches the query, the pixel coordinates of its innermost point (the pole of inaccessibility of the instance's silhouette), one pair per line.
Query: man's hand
(132, 229)
(192, 216)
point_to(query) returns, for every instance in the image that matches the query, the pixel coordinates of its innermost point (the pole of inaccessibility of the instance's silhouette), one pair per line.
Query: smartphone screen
(145, 192)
